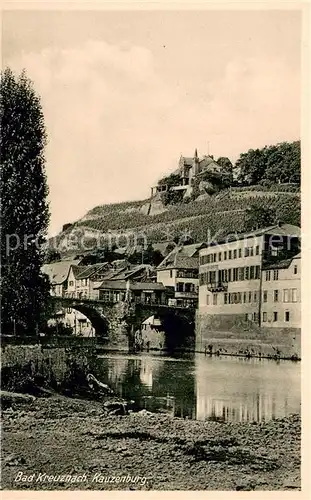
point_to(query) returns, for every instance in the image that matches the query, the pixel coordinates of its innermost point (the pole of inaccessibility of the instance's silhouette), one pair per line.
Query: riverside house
(61, 276)
(250, 278)
(179, 272)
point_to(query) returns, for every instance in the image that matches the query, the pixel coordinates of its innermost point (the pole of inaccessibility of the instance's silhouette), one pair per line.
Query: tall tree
(25, 214)
(226, 171)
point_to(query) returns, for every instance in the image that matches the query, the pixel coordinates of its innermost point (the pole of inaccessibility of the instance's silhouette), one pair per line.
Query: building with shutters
(250, 279)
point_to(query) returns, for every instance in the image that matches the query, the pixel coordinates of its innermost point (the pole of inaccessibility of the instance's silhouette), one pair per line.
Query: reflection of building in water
(245, 390)
(259, 408)
(146, 372)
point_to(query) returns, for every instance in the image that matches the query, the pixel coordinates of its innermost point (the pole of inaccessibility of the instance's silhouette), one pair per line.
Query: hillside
(215, 215)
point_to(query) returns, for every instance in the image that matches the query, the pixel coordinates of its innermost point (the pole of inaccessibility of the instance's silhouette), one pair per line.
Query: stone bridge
(115, 323)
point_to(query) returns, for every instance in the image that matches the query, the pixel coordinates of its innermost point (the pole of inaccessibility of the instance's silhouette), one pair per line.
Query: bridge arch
(98, 321)
(178, 326)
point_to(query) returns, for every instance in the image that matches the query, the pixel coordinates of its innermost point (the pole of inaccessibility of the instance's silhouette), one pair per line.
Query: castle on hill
(189, 168)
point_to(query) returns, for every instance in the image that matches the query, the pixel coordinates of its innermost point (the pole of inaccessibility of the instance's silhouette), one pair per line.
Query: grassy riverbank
(61, 436)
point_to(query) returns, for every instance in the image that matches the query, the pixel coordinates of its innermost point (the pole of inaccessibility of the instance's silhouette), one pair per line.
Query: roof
(282, 264)
(208, 163)
(88, 271)
(127, 273)
(190, 250)
(77, 270)
(58, 271)
(178, 260)
(277, 230)
(121, 285)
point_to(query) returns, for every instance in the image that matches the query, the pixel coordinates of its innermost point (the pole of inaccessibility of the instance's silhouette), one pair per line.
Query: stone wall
(231, 334)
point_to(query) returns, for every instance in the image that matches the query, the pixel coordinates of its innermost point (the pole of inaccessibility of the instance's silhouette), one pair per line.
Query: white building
(232, 286)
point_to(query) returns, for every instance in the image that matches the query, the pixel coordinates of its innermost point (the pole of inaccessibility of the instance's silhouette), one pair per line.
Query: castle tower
(195, 163)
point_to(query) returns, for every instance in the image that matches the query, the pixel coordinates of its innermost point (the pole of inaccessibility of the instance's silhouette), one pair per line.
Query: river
(203, 387)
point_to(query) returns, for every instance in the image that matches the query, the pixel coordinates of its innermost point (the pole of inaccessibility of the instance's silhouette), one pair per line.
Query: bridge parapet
(118, 321)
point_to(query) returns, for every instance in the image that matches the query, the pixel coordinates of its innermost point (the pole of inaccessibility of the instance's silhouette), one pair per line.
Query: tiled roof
(58, 271)
(88, 271)
(77, 270)
(190, 250)
(178, 260)
(282, 264)
(277, 230)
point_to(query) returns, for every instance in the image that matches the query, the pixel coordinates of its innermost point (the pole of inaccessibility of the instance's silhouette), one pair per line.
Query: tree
(258, 217)
(51, 255)
(278, 163)
(226, 171)
(25, 214)
(251, 166)
(283, 163)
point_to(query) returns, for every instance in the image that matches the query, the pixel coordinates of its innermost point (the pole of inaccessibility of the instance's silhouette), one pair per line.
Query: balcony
(217, 287)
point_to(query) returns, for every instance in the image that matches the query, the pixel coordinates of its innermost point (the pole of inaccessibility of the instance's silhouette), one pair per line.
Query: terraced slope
(212, 216)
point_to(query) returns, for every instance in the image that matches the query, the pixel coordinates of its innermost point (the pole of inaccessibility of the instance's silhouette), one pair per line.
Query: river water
(203, 387)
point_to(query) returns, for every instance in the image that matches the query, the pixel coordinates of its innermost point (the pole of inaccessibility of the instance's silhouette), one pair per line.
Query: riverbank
(75, 439)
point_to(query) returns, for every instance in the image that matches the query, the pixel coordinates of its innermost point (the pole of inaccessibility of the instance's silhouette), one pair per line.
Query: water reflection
(205, 388)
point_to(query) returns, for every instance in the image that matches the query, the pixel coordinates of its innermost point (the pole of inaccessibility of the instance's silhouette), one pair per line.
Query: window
(246, 317)
(225, 298)
(285, 295)
(275, 316)
(257, 272)
(229, 274)
(234, 254)
(255, 316)
(286, 315)
(295, 269)
(275, 295)
(241, 273)
(219, 256)
(235, 274)
(246, 273)
(171, 273)
(294, 294)
(240, 252)
(225, 255)
(257, 250)
(265, 295)
(239, 297)
(214, 299)
(268, 275)
(230, 254)
(249, 296)
(264, 317)
(208, 259)
(251, 272)
(251, 251)
(70, 283)
(188, 287)
(180, 287)
(255, 296)
(225, 275)
(275, 274)
(215, 257)
(207, 300)
(246, 252)
(244, 297)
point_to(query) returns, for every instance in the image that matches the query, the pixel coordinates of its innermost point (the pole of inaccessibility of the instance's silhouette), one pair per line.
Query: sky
(124, 94)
